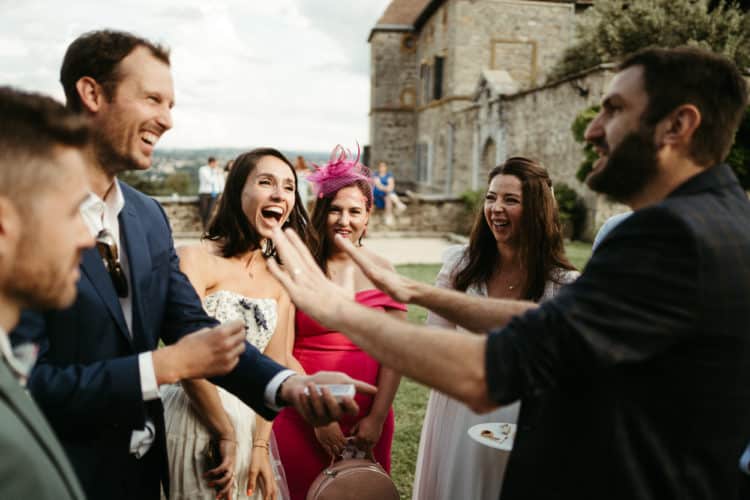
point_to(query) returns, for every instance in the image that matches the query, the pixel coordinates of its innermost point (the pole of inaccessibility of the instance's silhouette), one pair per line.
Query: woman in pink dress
(343, 205)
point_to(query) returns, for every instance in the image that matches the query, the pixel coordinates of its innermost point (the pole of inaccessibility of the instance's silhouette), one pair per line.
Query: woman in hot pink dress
(343, 204)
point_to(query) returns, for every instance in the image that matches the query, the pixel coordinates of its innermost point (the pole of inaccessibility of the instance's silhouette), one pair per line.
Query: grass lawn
(411, 398)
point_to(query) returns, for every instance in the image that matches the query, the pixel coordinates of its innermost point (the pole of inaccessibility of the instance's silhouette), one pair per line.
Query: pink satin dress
(319, 348)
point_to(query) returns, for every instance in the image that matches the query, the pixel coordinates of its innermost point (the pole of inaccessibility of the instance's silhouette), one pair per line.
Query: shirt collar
(19, 368)
(93, 209)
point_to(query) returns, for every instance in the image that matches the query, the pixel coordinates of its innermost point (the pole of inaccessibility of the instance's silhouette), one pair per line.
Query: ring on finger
(296, 271)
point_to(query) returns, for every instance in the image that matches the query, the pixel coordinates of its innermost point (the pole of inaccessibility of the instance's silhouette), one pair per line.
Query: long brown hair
(541, 249)
(320, 244)
(230, 227)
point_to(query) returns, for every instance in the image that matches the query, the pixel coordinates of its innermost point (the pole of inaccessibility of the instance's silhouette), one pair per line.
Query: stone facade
(491, 103)
(393, 95)
(425, 65)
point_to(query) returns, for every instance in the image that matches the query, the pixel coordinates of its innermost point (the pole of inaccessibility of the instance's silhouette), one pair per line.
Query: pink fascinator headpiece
(340, 171)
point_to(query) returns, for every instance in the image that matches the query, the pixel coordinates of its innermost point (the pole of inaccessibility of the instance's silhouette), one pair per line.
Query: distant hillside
(175, 171)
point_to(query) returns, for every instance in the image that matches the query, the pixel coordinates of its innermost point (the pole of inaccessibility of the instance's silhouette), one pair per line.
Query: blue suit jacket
(87, 380)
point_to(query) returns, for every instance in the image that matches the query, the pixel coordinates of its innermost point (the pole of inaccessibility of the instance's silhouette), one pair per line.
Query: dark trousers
(144, 474)
(206, 207)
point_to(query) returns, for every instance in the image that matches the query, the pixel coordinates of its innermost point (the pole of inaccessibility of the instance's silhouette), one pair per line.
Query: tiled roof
(402, 12)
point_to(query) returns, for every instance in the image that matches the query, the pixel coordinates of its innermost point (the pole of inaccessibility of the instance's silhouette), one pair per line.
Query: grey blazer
(32, 462)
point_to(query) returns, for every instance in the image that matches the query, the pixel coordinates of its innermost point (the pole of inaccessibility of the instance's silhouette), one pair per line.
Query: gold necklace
(249, 263)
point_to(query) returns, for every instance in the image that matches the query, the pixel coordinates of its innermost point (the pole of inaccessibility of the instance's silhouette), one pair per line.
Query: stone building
(459, 85)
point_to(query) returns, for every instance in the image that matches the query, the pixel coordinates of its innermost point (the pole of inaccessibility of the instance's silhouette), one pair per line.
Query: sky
(291, 74)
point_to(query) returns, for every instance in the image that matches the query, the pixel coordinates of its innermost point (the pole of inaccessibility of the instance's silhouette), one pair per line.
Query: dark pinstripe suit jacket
(635, 379)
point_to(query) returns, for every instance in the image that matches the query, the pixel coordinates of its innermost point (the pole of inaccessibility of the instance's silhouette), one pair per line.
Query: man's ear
(10, 229)
(678, 128)
(91, 93)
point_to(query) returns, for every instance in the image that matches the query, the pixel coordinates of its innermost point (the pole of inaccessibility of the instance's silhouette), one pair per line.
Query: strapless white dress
(188, 438)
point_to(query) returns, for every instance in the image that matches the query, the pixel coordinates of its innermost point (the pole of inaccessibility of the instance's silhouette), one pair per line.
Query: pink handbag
(353, 479)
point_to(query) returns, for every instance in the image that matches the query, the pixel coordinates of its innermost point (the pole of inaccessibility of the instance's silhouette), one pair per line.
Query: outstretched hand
(304, 280)
(400, 288)
(322, 409)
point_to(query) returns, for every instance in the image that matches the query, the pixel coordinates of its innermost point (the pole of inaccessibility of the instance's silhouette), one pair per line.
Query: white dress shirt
(102, 214)
(210, 180)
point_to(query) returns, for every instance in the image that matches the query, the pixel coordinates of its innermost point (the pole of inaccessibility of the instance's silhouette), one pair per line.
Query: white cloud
(288, 73)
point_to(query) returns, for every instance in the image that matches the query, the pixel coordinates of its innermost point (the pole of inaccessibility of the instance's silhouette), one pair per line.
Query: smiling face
(626, 147)
(128, 126)
(503, 208)
(268, 195)
(53, 237)
(347, 214)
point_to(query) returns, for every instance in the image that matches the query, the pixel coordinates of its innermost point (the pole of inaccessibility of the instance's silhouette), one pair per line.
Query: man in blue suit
(99, 368)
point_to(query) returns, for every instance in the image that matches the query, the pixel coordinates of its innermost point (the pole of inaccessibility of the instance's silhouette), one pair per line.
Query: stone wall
(423, 215)
(393, 95)
(537, 124)
(524, 38)
(183, 215)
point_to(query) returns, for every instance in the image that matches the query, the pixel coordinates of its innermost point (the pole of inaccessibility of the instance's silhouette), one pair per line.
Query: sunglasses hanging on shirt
(107, 247)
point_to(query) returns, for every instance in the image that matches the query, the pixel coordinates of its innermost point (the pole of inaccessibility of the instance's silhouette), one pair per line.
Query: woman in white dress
(515, 251)
(218, 447)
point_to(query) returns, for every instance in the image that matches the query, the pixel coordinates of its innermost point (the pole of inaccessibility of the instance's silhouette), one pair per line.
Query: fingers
(364, 387)
(278, 273)
(360, 258)
(347, 280)
(226, 490)
(222, 482)
(267, 483)
(302, 250)
(252, 478)
(348, 406)
(219, 471)
(328, 405)
(289, 254)
(319, 404)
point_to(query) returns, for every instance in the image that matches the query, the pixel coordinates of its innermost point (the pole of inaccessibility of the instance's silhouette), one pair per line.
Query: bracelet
(261, 444)
(227, 439)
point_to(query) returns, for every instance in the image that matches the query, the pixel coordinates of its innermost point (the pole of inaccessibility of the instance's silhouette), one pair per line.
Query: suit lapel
(29, 414)
(139, 260)
(93, 267)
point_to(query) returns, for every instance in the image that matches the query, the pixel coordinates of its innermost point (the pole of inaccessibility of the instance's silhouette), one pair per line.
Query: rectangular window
(426, 84)
(423, 162)
(438, 78)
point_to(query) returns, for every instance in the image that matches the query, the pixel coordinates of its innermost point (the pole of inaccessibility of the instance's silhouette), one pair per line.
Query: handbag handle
(349, 445)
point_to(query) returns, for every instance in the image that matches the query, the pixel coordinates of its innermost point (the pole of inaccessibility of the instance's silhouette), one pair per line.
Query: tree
(612, 29)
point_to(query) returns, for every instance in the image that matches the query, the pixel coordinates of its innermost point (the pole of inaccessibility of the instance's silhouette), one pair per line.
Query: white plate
(501, 438)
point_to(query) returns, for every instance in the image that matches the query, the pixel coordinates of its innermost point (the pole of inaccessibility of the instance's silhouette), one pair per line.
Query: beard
(106, 141)
(629, 168)
(38, 282)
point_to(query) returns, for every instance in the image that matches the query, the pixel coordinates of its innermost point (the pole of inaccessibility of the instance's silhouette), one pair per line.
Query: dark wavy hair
(319, 243)
(98, 54)
(230, 227)
(541, 244)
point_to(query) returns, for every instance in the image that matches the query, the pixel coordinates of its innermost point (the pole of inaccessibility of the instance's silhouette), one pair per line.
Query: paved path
(397, 249)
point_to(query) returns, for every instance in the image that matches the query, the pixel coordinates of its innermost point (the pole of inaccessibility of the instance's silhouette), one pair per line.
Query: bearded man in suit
(635, 379)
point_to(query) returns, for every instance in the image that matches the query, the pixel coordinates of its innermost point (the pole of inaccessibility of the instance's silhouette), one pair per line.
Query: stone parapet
(424, 215)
